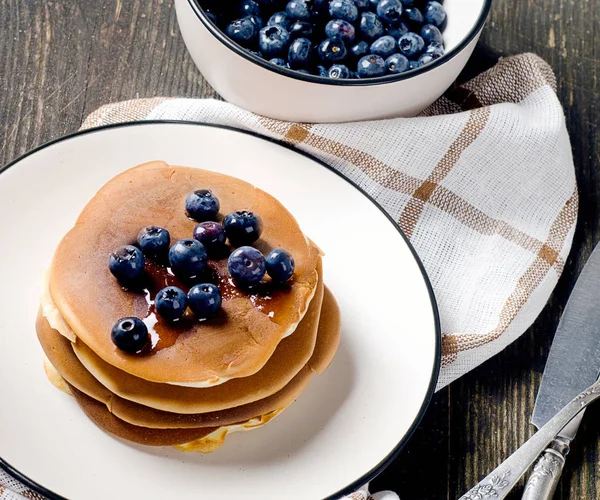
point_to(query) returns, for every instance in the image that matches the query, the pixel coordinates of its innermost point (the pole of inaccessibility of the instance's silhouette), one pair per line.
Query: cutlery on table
(503, 478)
(573, 365)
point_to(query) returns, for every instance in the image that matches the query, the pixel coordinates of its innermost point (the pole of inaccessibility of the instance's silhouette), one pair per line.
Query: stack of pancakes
(198, 380)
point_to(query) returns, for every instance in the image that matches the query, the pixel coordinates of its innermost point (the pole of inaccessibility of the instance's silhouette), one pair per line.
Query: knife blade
(573, 364)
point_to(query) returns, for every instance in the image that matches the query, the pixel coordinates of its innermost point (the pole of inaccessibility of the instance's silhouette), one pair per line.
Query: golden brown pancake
(98, 414)
(60, 355)
(55, 378)
(240, 341)
(216, 439)
(289, 358)
(330, 321)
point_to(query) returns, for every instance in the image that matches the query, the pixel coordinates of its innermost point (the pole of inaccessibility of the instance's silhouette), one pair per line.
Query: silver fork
(502, 480)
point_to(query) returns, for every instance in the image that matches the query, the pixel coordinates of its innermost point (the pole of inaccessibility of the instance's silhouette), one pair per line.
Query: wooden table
(60, 60)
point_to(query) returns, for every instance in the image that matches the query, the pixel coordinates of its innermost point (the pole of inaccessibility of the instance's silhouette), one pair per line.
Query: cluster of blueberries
(336, 38)
(187, 258)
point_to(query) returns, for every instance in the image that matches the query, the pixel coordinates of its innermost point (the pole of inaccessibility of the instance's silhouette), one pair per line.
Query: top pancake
(240, 340)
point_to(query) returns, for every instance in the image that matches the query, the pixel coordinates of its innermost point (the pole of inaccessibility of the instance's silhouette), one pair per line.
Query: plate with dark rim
(344, 429)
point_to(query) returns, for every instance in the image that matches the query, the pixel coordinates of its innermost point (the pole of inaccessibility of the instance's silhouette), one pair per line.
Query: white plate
(343, 430)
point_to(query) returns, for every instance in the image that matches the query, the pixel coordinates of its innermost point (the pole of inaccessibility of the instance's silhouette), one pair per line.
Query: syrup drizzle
(265, 297)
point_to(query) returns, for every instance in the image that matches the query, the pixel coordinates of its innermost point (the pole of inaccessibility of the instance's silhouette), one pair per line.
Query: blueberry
(435, 50)
(242, 227)
(407, 2)
(389, 10)
(247, 266)
(242, 31)
(411, 44)
(343, 9)
(211, 235)
(414, 15)
(204, 300)
(413, 64)
(322, 71)
(171, 303)
(187, 258)
(280, 19)
(298, 9)
(299, 53)
(425, 59)
(432, 52)
(396, 63)
(257, 21)
(249, 7)
(202, 205)
(373, 4)
(126, 263)
(273, 41)
(280, 265)
(278, 61)
(384, 46)
(332, 50)
(435, 13)
(370, 27)
(338, 28)
(301, 29)
(359, 50)
(362, 5)
(371, 66)
(431, 34)
(154, 241)
(397, 29)
(338, 71)
(130, 335)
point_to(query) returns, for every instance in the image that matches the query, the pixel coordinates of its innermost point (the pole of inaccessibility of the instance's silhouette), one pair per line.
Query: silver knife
(499, 483)
(573, 365)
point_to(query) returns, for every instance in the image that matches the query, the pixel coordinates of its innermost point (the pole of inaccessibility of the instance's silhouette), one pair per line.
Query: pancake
(97, 413)
(60, 355)
(216, 439)
(55, 377)
(204, 440)
(210, 440)
(290, 356)
(240, 341)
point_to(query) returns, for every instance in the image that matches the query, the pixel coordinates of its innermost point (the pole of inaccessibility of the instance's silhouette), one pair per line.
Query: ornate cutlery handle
(502, 480)
(546, 472)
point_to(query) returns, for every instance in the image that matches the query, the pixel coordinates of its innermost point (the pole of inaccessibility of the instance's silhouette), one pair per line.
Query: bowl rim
(249, 56)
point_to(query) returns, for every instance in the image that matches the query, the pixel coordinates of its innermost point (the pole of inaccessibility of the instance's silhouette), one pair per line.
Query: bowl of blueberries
(326, 61)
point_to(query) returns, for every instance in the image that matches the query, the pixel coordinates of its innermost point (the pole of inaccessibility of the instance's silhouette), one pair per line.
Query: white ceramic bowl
(259, 86)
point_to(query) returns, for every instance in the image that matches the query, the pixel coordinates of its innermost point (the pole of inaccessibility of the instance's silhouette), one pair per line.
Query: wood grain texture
(61, 60)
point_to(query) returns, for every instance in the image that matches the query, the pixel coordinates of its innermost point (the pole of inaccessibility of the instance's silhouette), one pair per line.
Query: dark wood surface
(60, 60)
